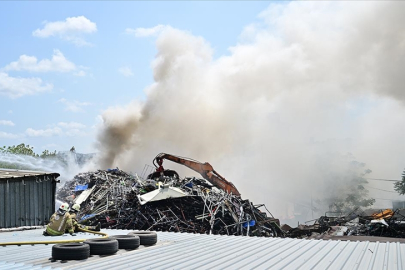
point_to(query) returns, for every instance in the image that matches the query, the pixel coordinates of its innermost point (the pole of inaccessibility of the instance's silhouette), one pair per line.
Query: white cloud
(73, 106)
(5, 135)
(50, 146)
(43, 132)
(75, 132)
(146, 32)
(70, 30)
(72, 129)
(58, 63)
(10, 112)
(126, 71)
(6, 123)
(15, 87)
(80, 73)
(71, 125)
(62, 129)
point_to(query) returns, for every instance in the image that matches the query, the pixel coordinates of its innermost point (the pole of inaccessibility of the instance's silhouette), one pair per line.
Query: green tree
(47, 153)
(23, 149)
(353, 197)
(400, 186)
(345, 186)
(20, 149)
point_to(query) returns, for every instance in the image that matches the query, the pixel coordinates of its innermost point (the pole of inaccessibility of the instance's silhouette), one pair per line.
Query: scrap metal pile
(211, 205)
(382, 223)
(165, 202)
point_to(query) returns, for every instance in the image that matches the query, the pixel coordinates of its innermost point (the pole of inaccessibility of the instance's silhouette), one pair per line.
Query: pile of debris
(97, 192)
(381, 223)
(164, 202)
(211, 205)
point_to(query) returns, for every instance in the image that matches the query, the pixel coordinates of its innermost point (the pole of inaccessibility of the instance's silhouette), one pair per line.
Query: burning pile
(164, 203)
(382, 223)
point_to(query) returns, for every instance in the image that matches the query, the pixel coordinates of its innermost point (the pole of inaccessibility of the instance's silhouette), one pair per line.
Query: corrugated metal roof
(195, 251)
(8, 173)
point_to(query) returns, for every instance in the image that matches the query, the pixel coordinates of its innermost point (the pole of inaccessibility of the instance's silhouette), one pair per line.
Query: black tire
(127, 241)
(146, 238)
(71, 251)
(102, 246)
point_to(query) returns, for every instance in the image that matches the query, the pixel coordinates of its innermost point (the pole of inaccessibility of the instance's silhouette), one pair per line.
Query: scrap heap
(165, 202)
(210, 205)
(381, 223)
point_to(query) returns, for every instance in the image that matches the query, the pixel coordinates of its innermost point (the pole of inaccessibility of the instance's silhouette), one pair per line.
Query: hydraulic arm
(205, 169)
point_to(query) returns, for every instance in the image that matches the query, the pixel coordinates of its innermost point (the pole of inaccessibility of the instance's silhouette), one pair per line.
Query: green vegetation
(26, 150)
(20, 149)
(46, 154)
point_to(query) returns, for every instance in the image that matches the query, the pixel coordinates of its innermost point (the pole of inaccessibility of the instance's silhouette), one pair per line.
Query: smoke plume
(64, 163)
(310, 88)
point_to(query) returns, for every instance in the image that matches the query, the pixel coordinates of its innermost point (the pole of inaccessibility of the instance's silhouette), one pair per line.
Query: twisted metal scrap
(113, 202)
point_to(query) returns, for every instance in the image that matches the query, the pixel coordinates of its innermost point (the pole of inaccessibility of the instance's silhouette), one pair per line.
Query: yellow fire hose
(55, 241)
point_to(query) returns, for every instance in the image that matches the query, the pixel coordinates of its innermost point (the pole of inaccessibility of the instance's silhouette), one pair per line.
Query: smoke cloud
(65, 164)
(309, 89)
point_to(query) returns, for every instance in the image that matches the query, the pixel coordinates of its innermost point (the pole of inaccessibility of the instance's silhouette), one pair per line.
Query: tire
(127, 241)
(102, 246)
(146, 238)
(71, 251)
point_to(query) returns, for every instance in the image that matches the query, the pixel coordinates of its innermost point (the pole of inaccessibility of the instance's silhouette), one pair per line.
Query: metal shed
(27, 198)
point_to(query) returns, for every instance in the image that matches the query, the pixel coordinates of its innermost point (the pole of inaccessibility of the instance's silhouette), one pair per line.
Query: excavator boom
(205, 169)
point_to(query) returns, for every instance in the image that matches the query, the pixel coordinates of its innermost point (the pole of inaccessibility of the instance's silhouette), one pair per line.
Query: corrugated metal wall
(27, 201)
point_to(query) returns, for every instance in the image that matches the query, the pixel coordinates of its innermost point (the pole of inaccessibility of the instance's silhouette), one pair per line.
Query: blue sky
(66, 99)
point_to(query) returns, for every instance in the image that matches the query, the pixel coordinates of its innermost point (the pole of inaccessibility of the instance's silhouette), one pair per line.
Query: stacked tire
(127, 241)
(70, 251)
(102, 246)
(146, 238)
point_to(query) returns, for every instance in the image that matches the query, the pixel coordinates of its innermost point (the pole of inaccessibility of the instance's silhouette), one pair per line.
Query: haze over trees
(22, 150)
(400, 186)
(347, 190)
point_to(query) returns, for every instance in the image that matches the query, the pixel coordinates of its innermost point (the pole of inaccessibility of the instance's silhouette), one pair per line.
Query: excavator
(266, 224)
(205, 169)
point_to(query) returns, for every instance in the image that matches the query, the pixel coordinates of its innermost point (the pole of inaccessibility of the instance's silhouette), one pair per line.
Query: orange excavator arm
(205, 169)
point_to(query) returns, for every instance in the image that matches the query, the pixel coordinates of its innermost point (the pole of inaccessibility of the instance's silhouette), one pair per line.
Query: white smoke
(309, 88)
(66, 167)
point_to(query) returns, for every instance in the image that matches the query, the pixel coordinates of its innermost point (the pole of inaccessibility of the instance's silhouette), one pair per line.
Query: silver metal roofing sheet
(9, 173)
(195, 251)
